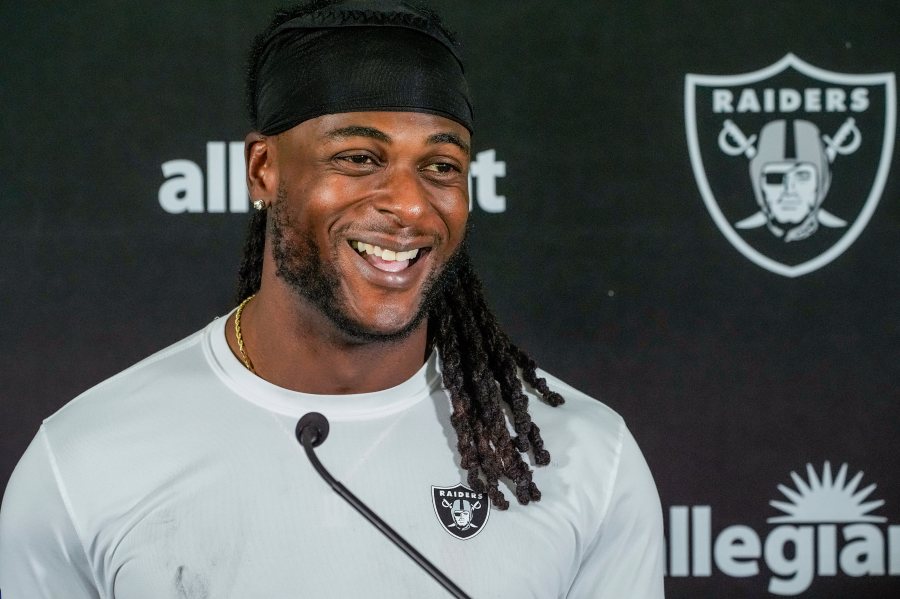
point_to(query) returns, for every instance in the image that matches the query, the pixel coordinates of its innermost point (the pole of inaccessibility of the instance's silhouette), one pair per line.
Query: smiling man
(366, 210)
(181, 478)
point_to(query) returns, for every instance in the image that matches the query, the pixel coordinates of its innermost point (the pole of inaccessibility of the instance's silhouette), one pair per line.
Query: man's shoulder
(149, 380)
(581, 416)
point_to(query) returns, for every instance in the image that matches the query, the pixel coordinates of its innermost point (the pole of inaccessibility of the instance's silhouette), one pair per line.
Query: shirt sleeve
(625, 558)
(41, 555)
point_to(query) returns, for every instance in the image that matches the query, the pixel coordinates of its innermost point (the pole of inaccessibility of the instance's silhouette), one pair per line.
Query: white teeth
(389, 255)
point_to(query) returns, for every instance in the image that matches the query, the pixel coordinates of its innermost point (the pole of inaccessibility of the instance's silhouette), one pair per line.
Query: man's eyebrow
(358, 131)
(371, 132)
(450, 138)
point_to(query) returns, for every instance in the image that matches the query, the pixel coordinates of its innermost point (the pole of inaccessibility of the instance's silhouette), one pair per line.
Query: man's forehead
(388, 127)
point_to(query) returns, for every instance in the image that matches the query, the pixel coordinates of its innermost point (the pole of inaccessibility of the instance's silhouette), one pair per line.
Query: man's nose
(405, 195)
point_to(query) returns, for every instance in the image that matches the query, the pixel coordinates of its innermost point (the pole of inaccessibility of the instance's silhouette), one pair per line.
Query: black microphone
(311, 431)
(313, 427)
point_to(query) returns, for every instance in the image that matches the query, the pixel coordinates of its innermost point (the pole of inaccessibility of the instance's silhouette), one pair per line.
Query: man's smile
(391, 264)
(387, 259)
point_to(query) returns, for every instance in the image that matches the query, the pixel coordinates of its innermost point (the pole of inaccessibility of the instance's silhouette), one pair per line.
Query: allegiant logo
(223, 188)
(826, 530)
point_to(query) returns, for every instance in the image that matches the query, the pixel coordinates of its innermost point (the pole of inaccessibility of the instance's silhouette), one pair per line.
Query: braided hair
(480, 366)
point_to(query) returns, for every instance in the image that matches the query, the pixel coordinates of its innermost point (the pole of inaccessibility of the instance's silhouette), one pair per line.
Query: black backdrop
(606, 263)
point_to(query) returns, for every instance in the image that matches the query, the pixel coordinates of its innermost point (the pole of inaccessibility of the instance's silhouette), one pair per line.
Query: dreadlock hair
(479, 364)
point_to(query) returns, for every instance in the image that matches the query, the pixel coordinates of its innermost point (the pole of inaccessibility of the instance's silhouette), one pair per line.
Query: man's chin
(388, 323)
(298, 264)
(379, 331)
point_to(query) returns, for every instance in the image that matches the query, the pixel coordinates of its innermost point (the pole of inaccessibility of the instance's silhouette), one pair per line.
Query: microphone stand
(312, 429)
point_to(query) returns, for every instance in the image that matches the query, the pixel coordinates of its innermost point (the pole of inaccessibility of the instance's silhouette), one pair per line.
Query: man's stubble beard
(299, 264)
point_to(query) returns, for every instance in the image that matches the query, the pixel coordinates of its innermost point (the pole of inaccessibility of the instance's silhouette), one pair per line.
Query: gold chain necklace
(240, 339)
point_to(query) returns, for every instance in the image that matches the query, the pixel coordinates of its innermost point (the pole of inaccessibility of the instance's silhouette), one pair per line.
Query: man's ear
(262, 173)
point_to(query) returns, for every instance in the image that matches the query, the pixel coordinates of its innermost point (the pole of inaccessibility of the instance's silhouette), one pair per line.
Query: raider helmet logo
(791, 160)
(460, 510)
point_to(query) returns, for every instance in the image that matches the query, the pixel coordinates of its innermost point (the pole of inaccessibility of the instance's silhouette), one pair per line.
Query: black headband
(350, 61)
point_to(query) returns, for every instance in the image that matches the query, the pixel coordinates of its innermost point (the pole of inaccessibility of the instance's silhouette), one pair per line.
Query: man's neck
(293, 345)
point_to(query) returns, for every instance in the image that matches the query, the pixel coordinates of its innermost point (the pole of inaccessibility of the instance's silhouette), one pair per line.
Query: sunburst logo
(826, 528)
(826, 499)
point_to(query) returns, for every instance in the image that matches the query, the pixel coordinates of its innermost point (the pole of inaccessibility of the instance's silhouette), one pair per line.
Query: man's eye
(774, 178)
(360, 159)
(441, 167)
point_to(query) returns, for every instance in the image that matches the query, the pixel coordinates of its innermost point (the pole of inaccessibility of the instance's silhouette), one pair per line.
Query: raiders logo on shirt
(461, 511)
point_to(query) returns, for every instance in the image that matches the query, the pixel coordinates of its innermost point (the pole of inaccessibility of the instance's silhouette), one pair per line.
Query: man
(180, 477)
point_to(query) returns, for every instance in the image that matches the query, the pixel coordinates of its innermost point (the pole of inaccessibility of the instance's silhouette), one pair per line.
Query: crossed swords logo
(742, 144)
(733, 142)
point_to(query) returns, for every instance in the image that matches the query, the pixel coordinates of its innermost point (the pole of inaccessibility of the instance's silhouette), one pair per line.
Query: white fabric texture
(181, 478)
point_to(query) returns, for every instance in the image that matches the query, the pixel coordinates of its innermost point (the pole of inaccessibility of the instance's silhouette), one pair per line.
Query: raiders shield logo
(791, 160)
(460, 510)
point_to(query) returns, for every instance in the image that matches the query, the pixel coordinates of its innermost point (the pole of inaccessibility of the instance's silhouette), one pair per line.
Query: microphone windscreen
(315, 426)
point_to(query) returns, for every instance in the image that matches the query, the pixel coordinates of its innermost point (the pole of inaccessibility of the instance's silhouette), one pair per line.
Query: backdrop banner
(687, 210)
